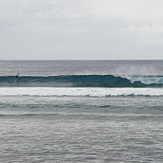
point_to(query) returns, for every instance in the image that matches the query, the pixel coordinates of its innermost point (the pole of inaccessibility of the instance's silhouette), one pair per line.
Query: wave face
(80, 81)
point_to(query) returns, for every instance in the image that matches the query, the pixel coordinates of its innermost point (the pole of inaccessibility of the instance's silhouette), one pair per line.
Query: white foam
(99, 92)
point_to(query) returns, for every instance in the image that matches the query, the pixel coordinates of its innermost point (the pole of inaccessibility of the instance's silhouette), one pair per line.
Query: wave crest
(82, 92)
(73, 81)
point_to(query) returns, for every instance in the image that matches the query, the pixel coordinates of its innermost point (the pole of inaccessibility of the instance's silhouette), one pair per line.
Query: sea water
(81, 111)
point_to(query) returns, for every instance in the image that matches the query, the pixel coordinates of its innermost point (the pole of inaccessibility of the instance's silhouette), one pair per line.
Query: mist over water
(140, 68)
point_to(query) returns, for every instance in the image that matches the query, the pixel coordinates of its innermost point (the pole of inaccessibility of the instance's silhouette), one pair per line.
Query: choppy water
(81, 124)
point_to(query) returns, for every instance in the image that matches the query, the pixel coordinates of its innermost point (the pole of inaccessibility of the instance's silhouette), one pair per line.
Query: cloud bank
(81, 29)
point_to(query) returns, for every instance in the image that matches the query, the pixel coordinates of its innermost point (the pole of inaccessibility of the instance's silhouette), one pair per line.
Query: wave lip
(83, 92)
(74, 81)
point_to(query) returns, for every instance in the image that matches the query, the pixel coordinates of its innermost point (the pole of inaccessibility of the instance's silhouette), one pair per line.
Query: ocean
(81, 111)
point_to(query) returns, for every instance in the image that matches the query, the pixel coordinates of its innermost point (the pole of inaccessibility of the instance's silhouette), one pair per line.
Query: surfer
(17, 76)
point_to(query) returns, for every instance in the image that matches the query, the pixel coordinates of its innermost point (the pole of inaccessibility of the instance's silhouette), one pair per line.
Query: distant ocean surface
(81, 111)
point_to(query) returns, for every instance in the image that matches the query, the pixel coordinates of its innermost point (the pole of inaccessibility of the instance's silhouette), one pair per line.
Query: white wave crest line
(98, 92)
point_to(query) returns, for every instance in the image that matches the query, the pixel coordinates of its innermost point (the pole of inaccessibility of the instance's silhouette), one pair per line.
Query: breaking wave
(80, 92)
(82, 81)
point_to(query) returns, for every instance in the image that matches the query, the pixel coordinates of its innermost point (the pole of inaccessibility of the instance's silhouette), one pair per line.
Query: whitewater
(92, 92)
(81, 111)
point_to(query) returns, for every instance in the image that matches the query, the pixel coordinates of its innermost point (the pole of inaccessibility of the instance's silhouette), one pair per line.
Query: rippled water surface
(81, 129)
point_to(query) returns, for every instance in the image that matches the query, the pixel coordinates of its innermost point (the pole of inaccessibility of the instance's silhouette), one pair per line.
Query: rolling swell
(72, 81)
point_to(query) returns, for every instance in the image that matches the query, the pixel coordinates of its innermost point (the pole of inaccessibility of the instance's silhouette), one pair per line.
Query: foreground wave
(81, 81)
(83, 92)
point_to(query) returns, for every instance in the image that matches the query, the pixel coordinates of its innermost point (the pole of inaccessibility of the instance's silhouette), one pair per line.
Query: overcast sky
(81, 29)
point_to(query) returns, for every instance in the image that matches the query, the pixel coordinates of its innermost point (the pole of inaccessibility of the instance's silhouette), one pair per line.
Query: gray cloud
(81, 29)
